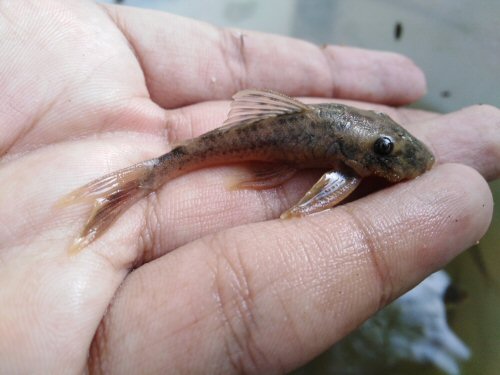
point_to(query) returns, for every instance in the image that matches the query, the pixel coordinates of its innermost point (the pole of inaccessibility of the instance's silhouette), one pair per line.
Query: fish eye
(383, 146)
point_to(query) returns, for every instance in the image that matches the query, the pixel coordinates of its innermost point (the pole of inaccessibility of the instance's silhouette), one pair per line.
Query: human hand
(196, 278)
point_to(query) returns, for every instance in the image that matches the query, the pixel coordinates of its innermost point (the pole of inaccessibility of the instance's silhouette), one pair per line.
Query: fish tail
(110, 195)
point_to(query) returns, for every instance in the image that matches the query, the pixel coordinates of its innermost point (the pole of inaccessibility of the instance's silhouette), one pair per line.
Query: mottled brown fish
(265, 126)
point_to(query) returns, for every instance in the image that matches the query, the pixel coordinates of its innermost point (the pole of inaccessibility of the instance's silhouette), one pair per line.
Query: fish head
(379, 146)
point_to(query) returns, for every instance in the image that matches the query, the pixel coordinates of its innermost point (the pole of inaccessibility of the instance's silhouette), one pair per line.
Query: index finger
(187, 61)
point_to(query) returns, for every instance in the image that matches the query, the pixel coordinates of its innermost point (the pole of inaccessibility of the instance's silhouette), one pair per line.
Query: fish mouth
(418, 171)
(428, 161)
(409, 170)
(419, 161)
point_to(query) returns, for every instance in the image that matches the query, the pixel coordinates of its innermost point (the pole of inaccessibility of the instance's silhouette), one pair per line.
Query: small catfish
(265, 126)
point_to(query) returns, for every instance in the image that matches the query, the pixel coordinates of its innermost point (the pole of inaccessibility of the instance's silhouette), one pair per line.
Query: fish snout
(422, 160)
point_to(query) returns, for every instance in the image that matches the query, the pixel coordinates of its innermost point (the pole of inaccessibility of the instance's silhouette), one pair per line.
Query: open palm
(196, 278)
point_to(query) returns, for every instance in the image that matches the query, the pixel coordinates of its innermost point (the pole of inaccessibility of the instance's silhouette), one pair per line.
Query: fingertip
(450, 211)
(418, 80)
(469, 136)
(374, 76)
(406, 81)
(474, 196)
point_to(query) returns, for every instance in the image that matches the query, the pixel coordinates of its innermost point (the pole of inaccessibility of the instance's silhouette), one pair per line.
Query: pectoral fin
(331, 189)
(264, 176)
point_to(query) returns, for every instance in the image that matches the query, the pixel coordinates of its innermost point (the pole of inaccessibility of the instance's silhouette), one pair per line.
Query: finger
(470, 136)
(269, 296)
(187, 61)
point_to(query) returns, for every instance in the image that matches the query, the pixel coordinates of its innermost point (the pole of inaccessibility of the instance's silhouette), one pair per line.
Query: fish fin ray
(111, 195)
(332, 188)
(264, 177)
(253, 105)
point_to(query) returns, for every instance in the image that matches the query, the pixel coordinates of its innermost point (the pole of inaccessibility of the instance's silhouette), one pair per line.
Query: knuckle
(178, 125)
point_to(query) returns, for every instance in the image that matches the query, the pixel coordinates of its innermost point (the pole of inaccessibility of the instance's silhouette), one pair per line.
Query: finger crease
(232, 49)
(379, 264)
(128, 39)
(235, 299)
(330, 62)
(149, 240)
(97, 353)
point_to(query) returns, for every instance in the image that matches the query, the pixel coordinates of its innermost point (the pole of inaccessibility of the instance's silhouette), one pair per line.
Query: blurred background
(457, 44)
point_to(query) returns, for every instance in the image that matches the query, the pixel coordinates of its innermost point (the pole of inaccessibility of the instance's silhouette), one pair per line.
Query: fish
(284, 134)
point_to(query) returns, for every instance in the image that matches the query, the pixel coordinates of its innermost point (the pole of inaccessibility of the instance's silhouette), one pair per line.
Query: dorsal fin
(253, 105)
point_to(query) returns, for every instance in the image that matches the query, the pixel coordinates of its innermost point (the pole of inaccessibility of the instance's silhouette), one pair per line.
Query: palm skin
(196, 278)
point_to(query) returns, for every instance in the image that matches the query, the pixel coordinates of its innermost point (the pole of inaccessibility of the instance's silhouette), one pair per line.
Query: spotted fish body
(287, 134)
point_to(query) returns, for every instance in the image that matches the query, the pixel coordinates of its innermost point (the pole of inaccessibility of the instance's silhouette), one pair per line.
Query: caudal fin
(111, 195)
